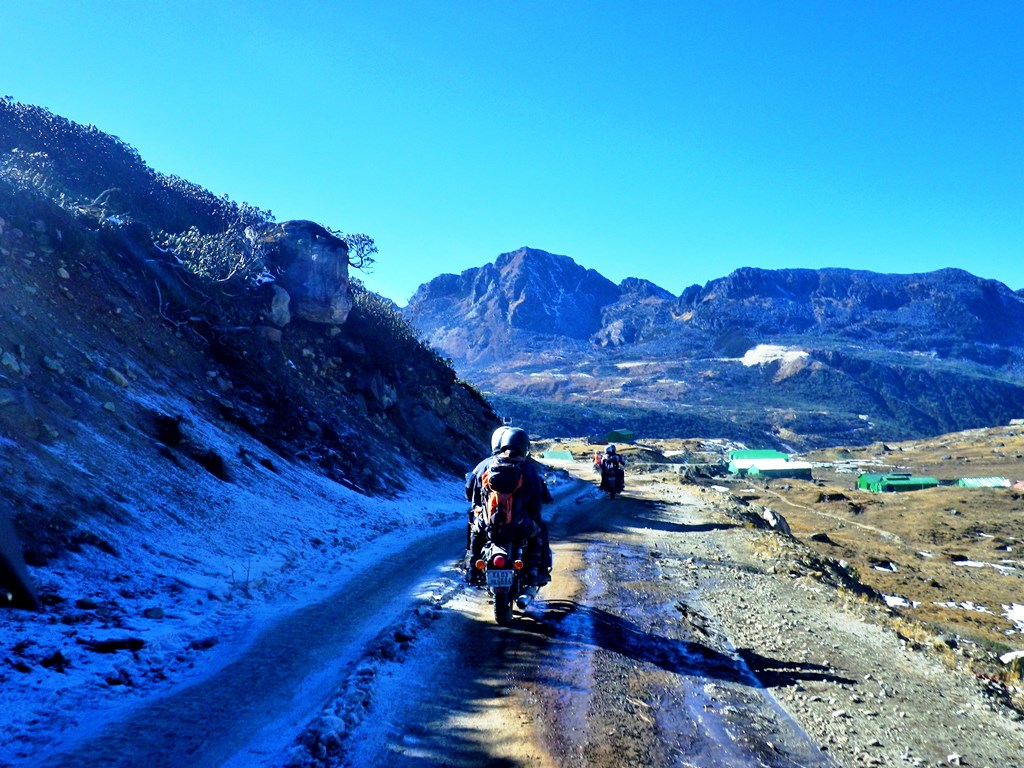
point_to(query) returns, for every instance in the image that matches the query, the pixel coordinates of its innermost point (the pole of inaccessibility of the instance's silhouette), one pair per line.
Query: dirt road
(663, 639)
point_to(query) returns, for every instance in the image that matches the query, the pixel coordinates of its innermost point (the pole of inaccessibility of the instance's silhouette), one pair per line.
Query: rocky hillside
(949, 313)
(145, 324)
(790, 357)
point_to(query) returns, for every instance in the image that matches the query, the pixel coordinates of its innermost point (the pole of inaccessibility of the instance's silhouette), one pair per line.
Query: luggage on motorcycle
(500, 481)
(504, 475)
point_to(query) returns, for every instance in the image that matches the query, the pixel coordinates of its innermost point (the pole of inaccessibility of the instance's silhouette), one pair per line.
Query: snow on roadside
(1005, 569)
(179, 573)
(965, 605)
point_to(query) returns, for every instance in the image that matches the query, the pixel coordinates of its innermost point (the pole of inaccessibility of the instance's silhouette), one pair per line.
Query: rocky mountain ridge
(881, 356)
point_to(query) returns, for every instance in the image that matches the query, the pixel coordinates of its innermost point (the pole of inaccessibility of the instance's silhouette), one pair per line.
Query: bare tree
(361, 249)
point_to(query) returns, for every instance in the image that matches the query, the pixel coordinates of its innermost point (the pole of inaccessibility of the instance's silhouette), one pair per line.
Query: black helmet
(514, 440)
(496, 437)
(610, 449)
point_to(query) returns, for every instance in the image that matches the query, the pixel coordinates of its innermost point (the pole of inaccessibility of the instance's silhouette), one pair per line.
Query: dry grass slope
(954, 554)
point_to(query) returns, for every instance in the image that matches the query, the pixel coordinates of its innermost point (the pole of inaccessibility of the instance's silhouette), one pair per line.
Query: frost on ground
(179, 574)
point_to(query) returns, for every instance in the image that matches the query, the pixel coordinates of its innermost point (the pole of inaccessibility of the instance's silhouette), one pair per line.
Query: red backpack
(500, 482)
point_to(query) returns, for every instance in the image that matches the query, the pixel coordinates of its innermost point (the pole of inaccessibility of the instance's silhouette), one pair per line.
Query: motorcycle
(613, 480)
(501, 564)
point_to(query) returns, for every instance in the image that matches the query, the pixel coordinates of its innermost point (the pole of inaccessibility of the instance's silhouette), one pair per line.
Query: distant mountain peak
(931, 351)
(524, 293)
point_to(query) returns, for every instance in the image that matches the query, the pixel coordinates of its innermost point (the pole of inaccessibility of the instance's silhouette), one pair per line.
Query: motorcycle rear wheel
(503, 608)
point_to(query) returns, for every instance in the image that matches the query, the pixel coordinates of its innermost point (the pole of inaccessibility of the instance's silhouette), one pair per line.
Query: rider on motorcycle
(612, 466)
(510, 447)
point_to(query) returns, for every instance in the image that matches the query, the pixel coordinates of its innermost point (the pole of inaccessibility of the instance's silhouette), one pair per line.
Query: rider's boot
(541, 575)
(471, 571)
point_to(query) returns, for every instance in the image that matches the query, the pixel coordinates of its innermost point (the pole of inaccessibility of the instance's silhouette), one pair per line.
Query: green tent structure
(558, 455)
(984, 482)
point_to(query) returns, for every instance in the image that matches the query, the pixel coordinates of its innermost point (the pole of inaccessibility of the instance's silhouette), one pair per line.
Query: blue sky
(675, 141)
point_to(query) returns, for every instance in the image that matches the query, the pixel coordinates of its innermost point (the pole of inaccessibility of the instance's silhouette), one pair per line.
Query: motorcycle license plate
(499, 578)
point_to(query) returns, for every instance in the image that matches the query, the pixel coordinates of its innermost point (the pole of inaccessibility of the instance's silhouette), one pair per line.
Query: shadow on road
(619, 635)
(658, 516)
(779, 674)
(456, 714)
(685, 657)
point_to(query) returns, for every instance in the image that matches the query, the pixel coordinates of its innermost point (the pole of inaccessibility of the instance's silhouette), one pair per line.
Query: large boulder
(312, 267)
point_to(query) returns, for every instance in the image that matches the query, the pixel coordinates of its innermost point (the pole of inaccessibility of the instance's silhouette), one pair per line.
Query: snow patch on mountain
(770, 353)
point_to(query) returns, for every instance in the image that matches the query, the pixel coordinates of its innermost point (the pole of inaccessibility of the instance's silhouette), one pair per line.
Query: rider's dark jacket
(612, 461)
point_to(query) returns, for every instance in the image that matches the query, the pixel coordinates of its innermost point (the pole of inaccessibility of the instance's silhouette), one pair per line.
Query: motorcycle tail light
(499, 561)
(518, 565)
(480, 565)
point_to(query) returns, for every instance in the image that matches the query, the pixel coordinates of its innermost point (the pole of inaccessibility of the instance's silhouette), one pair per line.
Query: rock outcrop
(312, 265)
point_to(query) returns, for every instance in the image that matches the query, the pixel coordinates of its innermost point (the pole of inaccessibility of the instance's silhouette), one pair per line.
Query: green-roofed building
(620, 436)
(895, 482)
(775, 468)
(757, 454)
(740, 462)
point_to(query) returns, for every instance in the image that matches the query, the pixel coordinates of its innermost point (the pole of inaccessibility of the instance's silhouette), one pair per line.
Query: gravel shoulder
(863, 694)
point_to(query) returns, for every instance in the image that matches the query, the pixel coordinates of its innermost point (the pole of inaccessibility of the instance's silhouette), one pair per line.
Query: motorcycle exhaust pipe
(526, 597)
